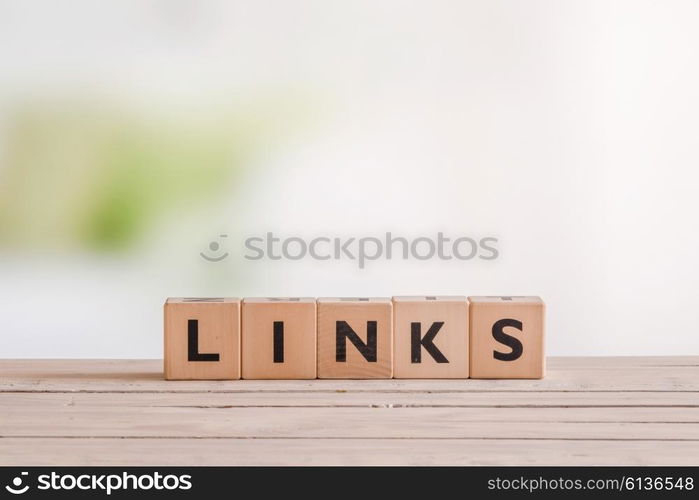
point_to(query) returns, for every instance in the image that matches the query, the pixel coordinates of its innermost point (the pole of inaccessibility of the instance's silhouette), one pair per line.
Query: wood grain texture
(358, 315)
(451, 340)
(587, 411)
(324, 452)
(326, 422)
(566, 374)
(296, 343)
(507, 337)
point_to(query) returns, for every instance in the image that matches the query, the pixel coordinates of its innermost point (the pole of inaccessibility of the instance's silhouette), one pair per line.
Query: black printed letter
(278, 341)
(508, 340)
(416, 343)
(193, 343)
(343, 331)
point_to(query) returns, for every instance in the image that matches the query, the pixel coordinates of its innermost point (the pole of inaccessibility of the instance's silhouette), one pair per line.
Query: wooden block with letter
(507, 337)
(355, 338)
(430, 337)
(279, 338)
(202, 339)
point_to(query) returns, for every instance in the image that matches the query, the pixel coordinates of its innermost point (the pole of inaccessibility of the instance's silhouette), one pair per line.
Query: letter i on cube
(279, 338)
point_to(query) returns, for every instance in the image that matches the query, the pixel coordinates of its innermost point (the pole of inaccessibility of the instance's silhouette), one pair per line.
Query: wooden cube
(430, 337)
(279, 338)
(507, 337)
(202, 339)
(355, 338)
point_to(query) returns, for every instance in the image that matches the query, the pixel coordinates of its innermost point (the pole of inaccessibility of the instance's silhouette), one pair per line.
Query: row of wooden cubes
(358, 338)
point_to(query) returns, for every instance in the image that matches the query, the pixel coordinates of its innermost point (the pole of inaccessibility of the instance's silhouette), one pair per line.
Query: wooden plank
(31, 367)
(586, 411)
(688, 402)
(163, 452)
(544, 415)
(564, 374)
(406, 423)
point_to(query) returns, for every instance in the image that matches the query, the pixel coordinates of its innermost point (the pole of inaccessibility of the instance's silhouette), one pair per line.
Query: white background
(568, 129)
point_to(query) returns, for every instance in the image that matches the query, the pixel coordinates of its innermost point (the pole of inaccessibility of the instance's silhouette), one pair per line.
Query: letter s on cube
(507, 337)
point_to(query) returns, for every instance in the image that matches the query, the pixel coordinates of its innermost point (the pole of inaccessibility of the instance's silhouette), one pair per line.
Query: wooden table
(587, 411)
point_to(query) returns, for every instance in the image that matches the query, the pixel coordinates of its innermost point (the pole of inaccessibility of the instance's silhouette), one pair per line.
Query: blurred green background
(134, 134)
(81, 175)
